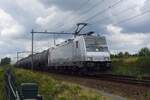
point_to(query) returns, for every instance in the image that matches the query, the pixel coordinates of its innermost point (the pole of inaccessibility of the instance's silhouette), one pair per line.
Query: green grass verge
(2, 89)
(52, 89)
(136, 66)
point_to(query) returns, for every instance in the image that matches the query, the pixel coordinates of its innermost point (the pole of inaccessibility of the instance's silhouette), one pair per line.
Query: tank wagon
(84, 53)
(40, 60)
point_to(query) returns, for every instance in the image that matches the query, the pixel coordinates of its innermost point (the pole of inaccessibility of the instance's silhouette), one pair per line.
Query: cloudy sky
(125, 23)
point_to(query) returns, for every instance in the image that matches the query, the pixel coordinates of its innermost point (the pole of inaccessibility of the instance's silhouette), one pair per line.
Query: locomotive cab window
(77, 44)
(96, 44)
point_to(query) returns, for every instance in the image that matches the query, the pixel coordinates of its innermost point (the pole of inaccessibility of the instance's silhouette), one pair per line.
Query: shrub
(144, 64)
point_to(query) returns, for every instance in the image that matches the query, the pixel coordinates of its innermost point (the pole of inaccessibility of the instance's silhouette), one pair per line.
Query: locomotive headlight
(106, 58)
(90, 58)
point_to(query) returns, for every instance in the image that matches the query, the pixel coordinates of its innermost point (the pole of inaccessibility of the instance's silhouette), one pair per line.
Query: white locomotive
(84, 53)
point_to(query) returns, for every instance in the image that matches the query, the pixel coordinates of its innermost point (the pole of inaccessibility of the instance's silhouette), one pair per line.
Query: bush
(135, 66)
(2, 89)
(144, 64)
(144, 52)
(5, 61)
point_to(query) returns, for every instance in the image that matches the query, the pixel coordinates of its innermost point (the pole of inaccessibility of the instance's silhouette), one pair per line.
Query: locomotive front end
(97, 53)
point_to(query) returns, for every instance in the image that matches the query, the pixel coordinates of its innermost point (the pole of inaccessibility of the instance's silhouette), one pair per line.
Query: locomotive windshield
(95, 44)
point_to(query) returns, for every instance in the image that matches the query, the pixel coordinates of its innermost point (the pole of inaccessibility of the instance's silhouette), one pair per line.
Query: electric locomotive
(86, 53)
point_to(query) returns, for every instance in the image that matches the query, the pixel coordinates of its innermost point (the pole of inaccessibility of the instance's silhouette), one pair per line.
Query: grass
(2, 89)
(136, 66)
(52, 89)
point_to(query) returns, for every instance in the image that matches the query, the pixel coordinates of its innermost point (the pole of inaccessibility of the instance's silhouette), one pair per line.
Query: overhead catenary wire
(104, 10)
(82, 5)
(94, 6)
(122, 12)
(133, 17)
(78, 9)
(91, 8)
(86, 11)
(101, 12)
(126, 10)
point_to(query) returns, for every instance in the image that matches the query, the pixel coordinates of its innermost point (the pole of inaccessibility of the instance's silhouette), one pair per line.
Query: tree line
(5, 61)
(142, 52)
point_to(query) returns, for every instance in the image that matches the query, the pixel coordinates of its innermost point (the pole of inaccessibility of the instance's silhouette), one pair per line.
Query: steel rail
(14, 93)
(144, 81)
(11, 88)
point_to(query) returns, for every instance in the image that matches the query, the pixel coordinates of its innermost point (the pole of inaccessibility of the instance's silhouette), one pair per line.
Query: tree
(144, 52)
(120, 54)
(126, 54)
(112, 55)
(5, 61)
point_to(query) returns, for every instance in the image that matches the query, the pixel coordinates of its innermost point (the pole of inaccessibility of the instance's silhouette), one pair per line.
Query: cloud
(57, 20)
(120, 41)
(18, 17)
(9, 27)
(10, 30)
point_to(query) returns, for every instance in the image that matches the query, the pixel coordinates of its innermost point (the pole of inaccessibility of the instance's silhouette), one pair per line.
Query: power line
(83, 4)
(86, 11)
(78, 9)
(92, 7)
(133, 17)
(103, 11)
(124, 11)
(117, 15)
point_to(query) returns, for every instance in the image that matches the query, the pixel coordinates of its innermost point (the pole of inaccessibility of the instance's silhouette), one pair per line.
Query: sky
(125, 23)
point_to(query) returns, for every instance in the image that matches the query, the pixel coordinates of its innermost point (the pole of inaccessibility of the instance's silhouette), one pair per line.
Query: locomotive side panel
(79, 50)
(61, 55)
(68, 53)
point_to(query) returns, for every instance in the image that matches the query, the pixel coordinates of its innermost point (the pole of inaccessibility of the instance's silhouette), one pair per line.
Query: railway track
(143, 81)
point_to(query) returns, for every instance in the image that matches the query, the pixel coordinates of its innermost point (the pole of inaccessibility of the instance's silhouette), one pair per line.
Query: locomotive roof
(65, 42)
(71, 40)
(94, 36)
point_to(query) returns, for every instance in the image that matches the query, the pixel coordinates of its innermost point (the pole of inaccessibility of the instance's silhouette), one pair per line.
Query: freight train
(83, 54)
